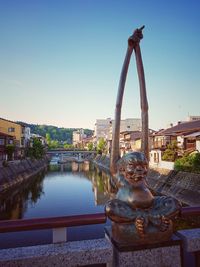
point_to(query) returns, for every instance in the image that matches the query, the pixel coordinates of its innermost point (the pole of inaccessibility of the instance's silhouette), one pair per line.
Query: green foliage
(48, 138)
(55, 133)
(101, 146)
(170, 154)
(90, 146)
(189, 163)
(10, 149)
(37, 149)
(68, 146)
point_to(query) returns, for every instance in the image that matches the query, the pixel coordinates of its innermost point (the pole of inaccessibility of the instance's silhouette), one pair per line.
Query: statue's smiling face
(133, 166)
(135, 171)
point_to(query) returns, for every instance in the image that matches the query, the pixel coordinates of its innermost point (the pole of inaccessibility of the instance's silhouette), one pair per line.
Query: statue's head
(134, 167)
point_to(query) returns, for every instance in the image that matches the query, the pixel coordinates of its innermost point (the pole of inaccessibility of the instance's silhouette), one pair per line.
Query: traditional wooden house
(17, 130)
(185, 134)
(5, 139)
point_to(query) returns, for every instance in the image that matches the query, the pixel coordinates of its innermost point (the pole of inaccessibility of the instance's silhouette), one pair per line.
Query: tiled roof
(13, 122)
(184, 127)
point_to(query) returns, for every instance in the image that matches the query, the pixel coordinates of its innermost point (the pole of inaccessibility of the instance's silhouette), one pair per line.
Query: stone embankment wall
(102, 161)
(183, 186)
(16, 173)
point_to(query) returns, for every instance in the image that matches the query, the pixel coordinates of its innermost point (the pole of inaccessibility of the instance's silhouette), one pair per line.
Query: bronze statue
(137, 216)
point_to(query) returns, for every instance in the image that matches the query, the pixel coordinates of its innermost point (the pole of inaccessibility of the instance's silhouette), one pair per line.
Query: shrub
(10, 149)
(170, 154)
(189, 163)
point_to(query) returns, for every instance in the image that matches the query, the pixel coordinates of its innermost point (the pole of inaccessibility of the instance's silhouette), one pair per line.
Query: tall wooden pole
(133, 43)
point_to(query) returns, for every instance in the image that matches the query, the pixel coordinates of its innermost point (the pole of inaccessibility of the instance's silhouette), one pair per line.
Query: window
(11, 129)
(2, 142)
(22, 141)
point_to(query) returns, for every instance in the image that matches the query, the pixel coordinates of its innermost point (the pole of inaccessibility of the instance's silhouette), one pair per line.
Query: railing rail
(190, 211)
(69, 221)
(52, 222)
(59, 224)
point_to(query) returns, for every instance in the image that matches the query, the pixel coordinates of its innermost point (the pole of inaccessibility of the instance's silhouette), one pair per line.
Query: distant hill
(56, 133)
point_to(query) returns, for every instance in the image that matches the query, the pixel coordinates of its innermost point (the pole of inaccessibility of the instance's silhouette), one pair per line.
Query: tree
(68, 146)
(90, 146)
(171, 153)
(37, 149)
(10, 149)
(101, 147)
(48, 138)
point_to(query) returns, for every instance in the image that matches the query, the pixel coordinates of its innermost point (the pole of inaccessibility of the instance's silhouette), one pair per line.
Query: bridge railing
(59, 224)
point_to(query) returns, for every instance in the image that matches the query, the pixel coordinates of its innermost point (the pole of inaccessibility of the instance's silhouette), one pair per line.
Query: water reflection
(17, 202)
(14, 203)
(66, 189)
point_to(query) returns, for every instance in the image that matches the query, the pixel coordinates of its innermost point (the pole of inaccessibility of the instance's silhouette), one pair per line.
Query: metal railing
(59, 224)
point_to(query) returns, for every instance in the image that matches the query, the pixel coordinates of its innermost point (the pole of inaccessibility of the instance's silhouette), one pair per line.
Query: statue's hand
(136, 37)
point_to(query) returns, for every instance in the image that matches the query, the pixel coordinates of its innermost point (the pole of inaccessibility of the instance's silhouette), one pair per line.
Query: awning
(196, 134)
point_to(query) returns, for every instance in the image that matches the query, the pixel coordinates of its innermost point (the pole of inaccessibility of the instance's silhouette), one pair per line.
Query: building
(130, 141)
(104, 129)
(86, 141)
(39, 137)
(17, 131)
(193, 118)
(5, 139)
(78, 137)
(131, 124)
(185, 134)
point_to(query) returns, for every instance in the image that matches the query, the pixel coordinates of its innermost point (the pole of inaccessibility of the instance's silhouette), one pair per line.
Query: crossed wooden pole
(133, 43)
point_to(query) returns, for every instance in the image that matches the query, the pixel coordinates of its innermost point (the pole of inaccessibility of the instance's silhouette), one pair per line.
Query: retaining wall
(183, 186)
(16, 173)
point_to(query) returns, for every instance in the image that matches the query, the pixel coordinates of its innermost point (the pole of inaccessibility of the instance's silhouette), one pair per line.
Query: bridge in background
(70, 155)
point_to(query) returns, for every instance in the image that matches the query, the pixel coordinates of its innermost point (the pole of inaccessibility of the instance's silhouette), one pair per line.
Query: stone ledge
(65, 254)
(156, 257)
(191, 239)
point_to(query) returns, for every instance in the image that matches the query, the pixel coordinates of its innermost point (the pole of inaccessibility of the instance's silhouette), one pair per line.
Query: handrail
(51, 222)
(190, 211)
(69, 221)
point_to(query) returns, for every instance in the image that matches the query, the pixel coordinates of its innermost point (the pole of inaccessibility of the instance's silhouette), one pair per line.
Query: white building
(27, 135)
(193, 118)
(130, 124)
(103, 129)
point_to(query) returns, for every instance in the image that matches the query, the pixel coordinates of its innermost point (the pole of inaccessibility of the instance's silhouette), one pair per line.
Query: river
(67, 189)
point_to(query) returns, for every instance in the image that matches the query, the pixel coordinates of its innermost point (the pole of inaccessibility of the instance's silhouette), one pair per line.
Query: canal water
(67, 189)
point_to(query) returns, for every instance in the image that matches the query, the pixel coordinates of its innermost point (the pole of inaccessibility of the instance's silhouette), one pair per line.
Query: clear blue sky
(60, 61)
